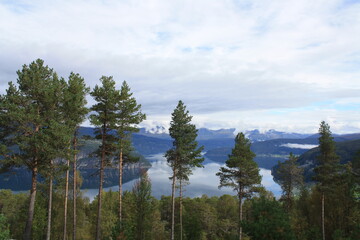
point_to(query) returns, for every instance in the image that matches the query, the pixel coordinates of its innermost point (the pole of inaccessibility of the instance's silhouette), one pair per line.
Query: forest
(40, 116)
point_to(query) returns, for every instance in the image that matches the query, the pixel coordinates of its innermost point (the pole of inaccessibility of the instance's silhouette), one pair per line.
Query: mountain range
(269, 146)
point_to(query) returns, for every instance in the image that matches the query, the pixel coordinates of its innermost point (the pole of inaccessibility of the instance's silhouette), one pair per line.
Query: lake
(202, 181)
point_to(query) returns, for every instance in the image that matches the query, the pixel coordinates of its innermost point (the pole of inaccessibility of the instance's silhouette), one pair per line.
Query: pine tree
(241, 173)
(75, 111)
(128, 116)
(58, 134)
(29, 112)
(327, 171)
(57, 138)
(185, 154)
(290, 176)
(104, 119)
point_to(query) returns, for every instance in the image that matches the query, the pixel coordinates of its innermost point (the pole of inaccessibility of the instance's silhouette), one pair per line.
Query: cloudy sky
(245, 64)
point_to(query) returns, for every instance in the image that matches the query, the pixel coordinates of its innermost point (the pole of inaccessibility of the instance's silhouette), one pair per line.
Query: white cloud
(233, 63)
(300, 146)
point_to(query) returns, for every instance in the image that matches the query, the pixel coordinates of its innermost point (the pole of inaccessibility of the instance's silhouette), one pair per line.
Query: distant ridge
(341, 137)
(346, 150)
(256, 136)
(229, 133)
(203, 133)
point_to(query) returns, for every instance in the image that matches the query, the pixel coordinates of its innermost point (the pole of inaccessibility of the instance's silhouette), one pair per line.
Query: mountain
(256, 136)
(269, 152)
(146, 145)
(203, 133)
(218, 143)
(206, 134)
(340, 138)
(346, 150)
(156, 132)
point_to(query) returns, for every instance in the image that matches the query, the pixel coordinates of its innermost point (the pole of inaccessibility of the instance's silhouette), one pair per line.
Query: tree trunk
(240, 216)
(48, 233)
(98, 225)
(100, 200)
(181, 226)
(120, 185)
(66, 198)
(29, 222)
(323, 215)
(74, 187)
(173, 206)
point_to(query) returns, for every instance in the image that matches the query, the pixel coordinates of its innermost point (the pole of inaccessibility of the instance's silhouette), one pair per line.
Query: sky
(284, 65)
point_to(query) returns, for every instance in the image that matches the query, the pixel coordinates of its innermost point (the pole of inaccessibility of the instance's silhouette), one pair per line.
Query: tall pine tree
(327, 171)
(128, 116)
(185, 153)
(240, 173)
(104, 118)
(75, 111)
(30, 113)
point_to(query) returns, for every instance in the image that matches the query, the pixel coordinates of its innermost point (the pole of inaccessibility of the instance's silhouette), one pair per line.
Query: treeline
(39, 119)
(146, 217)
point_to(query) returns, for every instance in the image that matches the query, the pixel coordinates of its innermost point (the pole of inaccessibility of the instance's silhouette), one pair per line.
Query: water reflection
(203, 180)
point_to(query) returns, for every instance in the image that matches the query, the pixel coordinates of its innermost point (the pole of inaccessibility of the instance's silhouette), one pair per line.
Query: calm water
(203, 180)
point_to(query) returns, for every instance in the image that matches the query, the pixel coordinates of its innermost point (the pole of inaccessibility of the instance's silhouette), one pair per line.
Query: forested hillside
(348, 152)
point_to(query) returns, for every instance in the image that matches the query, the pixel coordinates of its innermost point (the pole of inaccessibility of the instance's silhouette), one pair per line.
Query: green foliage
(129, 113)
(143, 208)
(290, 177)
(4, 228)
(75, 100)
(108, 214)
(204, 217)
(40, 217)
(184, 156)
(14, 208)
(104, 118)
(31, 113)
(241, 172)
(267, 220)
(36, 130)
(200, 218)
(327, 170)
(185, 153)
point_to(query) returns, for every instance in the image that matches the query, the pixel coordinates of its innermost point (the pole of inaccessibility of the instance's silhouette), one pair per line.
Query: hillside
(268, 153)
(346, 150)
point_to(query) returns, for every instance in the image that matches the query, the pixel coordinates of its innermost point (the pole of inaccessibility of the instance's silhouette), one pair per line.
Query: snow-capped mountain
(256, 136)
(203, 133)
